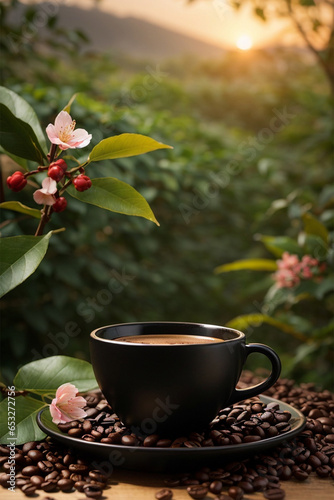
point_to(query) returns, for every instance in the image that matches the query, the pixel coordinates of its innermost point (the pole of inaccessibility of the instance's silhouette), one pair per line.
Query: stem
(46, 214)
(52, 154)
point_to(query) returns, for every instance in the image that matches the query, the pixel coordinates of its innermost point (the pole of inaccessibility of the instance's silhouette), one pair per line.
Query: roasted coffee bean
(246, 486)
(21, 481)
(75, 432)
(151, 440)
(65, 484)
(323, 471)
(35, 455)
(45, 466)
(274, 494)
(260, 483)
(79, 485)
(37, 480)
(31, 470)
(49, 485)
(31, 445)
(164, 494)
(65, 473)
(216, 487)
(98, 476)
(190, 482)
(28, 489)
(197, 491)
(163, 443)
(92, 490)
(299, 474)
(76, 477)
(129, 440)
(4, 479)
(78, 468)
(236, 492)
(202, 476)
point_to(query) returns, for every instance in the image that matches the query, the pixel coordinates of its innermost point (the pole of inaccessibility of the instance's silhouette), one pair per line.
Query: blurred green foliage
(247, 130)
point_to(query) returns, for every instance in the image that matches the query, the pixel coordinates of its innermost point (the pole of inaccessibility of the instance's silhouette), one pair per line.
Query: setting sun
(244, 42)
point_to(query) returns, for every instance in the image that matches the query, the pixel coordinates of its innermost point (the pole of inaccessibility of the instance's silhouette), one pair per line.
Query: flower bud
(60, 204)
(55, 172)
(82, 182)
(17, 181)
(59, 163)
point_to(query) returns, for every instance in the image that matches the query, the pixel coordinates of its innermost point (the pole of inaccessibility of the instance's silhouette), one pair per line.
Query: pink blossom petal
(42, 198)
(63, 119)
(49, 186)
(51, 132)
(66, 390)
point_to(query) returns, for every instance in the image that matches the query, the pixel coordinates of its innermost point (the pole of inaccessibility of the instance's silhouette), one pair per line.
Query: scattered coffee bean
(92, 490)
(236, 492)
(164, 494)
(197, 491)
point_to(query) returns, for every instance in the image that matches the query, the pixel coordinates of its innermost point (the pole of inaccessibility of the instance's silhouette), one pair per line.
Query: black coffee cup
(178, 387)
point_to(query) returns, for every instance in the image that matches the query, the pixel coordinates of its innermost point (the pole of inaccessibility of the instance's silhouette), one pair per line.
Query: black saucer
(163, 459)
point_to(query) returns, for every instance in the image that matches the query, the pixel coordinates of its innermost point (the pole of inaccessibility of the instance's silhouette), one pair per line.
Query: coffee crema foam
(168, 339)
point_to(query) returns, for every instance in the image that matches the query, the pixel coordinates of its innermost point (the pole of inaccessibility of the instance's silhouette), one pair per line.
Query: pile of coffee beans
(311, 452)
(49, 466)
(243, 423)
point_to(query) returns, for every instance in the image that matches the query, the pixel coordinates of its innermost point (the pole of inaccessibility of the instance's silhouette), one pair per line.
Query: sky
(210, 20)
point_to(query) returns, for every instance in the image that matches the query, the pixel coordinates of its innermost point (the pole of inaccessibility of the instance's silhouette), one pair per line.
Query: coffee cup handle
(241, 394)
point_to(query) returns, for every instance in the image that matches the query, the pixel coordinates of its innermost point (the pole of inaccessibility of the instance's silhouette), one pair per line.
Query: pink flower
(63, 133)
(67, 406)
(291, 270)
(44, 196)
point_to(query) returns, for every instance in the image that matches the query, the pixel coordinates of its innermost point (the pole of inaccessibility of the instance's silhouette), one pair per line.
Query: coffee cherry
(55, 172)
(17, 181)
(60, 204)
(59, 163)
(82, 182)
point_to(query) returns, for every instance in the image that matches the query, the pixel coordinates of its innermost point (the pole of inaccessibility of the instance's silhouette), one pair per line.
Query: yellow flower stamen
(65, 133)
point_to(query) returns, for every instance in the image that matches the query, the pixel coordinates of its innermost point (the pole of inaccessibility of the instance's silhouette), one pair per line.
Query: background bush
(213, 194)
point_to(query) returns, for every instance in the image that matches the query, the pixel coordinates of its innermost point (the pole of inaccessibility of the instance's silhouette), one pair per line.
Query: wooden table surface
(143, 486)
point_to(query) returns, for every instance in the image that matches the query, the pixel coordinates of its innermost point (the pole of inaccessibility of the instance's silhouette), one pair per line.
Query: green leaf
(115, 195)
(315, 227)
(324, 287)
(16, 206)
(20, 257)
(44, 376)
(247, 320)
(251, 264)
(26, 428)
(22, 110)
(124, 145)
(18, 138)
(280, 244)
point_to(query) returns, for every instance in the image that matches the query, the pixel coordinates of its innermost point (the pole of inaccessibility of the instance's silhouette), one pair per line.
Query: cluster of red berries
(56, 171)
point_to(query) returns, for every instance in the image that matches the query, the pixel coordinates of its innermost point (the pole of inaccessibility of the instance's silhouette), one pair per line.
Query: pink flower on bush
(291, 270)
(44, 196)
(63, 134)
(67, 406)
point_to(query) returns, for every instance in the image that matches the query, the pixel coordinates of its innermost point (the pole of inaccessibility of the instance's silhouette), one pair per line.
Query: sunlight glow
(244, 42)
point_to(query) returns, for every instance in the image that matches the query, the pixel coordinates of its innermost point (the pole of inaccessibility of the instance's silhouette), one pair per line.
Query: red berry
(60, 204)
(59, 163)
(56, 173)
(17, 181)
(82, 182)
